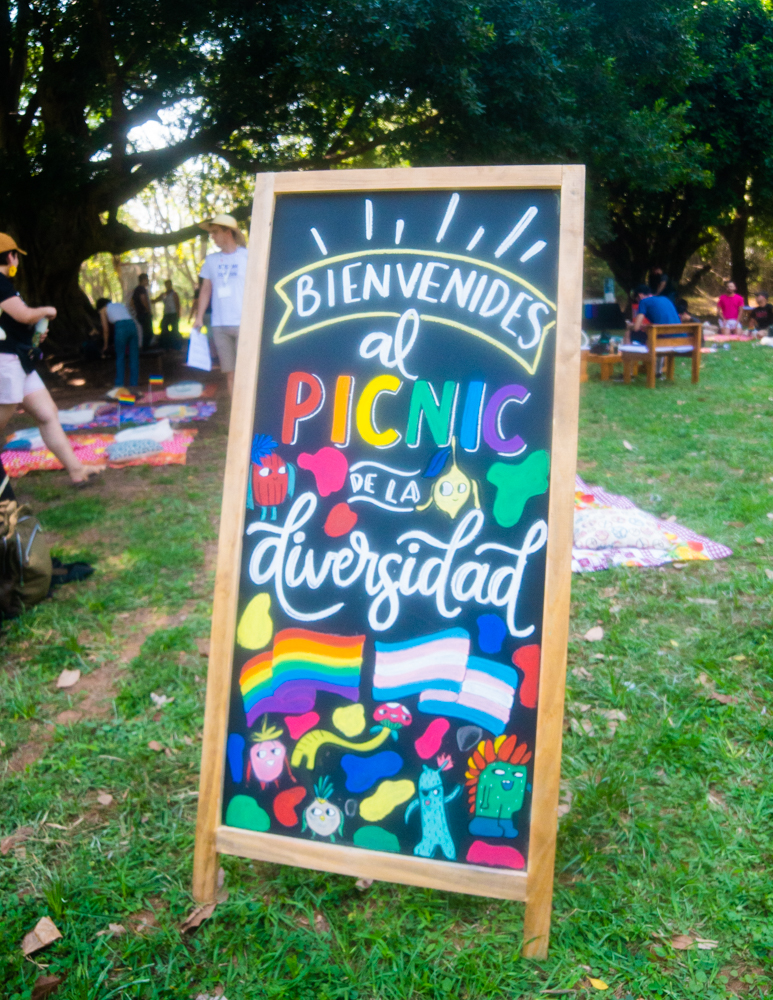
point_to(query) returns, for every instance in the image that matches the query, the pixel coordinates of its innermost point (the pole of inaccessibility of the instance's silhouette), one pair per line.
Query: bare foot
(85, 473)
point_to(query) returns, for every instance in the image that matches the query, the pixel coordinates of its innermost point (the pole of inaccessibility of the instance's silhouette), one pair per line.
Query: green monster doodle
(496, 781)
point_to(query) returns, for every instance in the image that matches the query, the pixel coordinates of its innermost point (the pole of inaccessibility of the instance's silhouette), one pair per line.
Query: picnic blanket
(723, 338)
(680, 544)
(91, 449)
(116, 415)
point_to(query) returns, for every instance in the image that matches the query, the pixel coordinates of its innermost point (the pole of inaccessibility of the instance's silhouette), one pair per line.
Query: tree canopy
(668, 103)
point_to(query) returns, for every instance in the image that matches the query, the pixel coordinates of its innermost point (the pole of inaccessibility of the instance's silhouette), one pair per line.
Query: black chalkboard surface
(387, 618)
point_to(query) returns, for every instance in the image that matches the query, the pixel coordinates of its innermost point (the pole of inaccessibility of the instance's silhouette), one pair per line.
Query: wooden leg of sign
(229, 551)
(558, 573)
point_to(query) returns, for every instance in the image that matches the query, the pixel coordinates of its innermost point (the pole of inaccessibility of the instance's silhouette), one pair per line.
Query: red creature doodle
(271, 480)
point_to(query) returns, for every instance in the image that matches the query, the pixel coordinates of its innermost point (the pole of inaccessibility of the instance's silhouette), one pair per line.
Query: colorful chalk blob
(285, 804)
(255, 626)
(245, 813)
(495, 855)
(527, 658)
(387, 797)
(329, 467)
(516, 484)
(340, 520)
(428, 744)
(491, 633)
(350, 719)
(375, 838)
(297, 725)
(362, 773)
(234, 752)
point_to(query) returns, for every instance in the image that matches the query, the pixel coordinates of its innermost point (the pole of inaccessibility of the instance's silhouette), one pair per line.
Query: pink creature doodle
(268, 757)
(271, 480)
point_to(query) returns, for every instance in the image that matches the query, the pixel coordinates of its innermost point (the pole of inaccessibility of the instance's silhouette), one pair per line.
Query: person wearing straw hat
(223, 275)
(19, 382)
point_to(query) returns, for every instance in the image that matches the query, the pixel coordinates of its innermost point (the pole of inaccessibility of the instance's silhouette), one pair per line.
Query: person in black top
(19, 382)
(661, 284)
(761, 316)
(142, 310)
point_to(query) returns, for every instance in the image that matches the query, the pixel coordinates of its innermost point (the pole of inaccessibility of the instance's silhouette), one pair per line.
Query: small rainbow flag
(302, 662)
(156, 380)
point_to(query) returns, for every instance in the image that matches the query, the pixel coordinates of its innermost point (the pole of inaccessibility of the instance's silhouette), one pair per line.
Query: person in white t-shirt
(223, 277)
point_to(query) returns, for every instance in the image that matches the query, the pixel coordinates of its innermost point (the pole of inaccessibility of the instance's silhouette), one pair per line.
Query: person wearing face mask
(19, 382)
(223, 276)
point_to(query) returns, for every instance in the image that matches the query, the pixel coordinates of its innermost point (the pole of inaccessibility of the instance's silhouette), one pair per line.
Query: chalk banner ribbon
(471, 295)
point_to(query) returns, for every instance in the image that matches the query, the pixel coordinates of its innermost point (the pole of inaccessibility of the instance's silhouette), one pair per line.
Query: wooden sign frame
(535, 885)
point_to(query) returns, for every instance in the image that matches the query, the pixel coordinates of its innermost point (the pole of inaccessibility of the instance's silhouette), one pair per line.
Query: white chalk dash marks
(516, 231)
(368, 219)
(452, 203)
(399, 226)
(533, 250)
(320, 242)
(476, 238)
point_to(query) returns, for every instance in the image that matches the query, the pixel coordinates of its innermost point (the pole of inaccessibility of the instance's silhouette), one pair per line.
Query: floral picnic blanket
(91, 449)
(115, 415)
(680, 544)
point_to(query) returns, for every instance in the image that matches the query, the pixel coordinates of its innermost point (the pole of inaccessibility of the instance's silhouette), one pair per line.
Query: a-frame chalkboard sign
(386, 677)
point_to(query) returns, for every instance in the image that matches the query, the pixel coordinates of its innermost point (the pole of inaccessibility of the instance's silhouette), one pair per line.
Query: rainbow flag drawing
(302, 662)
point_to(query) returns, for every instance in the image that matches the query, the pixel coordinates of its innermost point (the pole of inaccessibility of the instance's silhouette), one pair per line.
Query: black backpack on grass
(25, 560)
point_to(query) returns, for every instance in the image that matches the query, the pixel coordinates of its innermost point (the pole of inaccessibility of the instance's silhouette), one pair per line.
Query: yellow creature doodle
(453, 489)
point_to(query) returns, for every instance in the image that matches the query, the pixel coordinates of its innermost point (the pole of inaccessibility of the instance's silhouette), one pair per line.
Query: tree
(264, 85)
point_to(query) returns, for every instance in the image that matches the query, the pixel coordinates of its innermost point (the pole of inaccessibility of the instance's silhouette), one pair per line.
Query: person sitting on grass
(117, 315)
(730, 310)
(761, 316)
(654, 309)
(19, 382)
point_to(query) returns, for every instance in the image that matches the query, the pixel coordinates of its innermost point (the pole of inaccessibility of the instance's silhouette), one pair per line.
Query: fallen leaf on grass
(598, 656)
(45, 986)
(717, 800)
(363, 883)
(155, 746)
(67, 678)
(708, 601)
(203, 646)
(628, 446)
(114, 930)
(105, 799)
(679, 565)
(17, 837)
(44, 932)
(705, 944)
(738, 658)
(725, 699)
(735, 524)
(759, 541)
(321, 926)
(769, 574)
(598, 984)
(582, 673)
(595, 634)
(143, 922)
(159, 700)
(682, 942)
(565, 800)
(583, 726)
(197, 916)
(769, 515)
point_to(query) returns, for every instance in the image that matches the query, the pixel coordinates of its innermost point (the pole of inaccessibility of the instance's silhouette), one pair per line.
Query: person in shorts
(222, 285)
(19, 382)
(730, 310)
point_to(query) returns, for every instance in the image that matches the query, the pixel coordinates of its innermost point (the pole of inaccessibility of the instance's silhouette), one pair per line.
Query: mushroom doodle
(388, 723)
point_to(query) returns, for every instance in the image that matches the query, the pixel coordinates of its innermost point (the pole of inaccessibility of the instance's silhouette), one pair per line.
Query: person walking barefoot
(19, 382)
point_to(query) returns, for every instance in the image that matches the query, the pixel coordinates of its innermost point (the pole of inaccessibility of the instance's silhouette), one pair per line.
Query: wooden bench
(606, 363)
(666, 340)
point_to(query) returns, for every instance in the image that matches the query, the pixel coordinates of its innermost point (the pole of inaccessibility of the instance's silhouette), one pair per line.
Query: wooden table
(606, 363)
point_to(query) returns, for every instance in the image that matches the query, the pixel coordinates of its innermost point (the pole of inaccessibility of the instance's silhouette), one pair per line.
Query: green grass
(669, 830)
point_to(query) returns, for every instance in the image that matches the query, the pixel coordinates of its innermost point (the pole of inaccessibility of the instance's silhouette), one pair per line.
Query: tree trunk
(735, 235)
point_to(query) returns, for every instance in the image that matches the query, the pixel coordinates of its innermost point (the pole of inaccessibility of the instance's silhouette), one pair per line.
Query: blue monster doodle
(434, 825)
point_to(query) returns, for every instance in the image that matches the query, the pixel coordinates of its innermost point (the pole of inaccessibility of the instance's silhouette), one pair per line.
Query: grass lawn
(669, 828)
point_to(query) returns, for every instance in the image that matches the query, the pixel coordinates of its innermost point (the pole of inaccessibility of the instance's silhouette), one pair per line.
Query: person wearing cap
(19, 382)
(223, 276)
